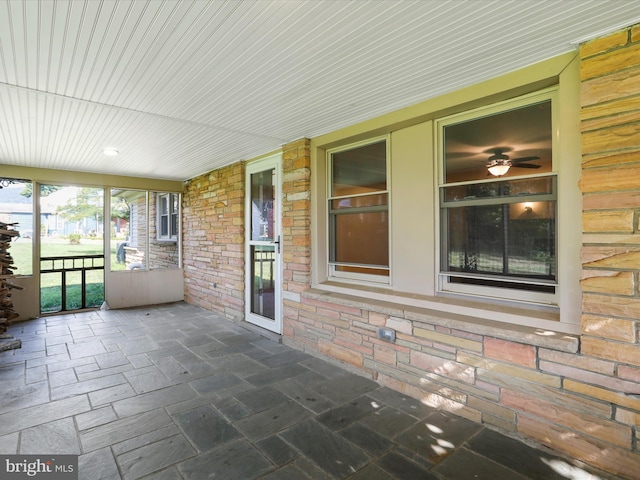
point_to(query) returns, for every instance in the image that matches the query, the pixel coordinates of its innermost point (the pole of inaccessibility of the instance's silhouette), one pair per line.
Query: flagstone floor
(177, 392)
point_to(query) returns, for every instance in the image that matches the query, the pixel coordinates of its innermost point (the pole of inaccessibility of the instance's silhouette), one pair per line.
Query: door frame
(267, 163)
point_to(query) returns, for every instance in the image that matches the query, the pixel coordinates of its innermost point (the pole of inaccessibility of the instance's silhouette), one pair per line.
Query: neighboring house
(19, 213)
(57, 224)
(16, 208)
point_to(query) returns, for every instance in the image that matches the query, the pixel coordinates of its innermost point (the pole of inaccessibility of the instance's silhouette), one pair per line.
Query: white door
(263, 248)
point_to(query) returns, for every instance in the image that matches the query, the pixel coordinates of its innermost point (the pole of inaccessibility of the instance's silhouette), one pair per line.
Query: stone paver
(206, 428)
(174, 392)
(58, 437)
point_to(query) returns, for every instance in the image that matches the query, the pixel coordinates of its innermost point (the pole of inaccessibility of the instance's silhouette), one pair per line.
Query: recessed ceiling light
(110, 152)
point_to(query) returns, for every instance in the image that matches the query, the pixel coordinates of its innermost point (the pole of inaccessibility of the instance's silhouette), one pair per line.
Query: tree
(45, 190)
(86, 204)
(120, 208)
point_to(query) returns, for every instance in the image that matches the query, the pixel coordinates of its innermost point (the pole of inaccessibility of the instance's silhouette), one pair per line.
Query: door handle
(277, 242)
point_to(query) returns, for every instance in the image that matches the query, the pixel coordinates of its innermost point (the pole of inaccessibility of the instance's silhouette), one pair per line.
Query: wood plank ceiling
(183, 87)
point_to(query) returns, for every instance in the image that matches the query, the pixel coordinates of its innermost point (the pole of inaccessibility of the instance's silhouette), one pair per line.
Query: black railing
(73, 263)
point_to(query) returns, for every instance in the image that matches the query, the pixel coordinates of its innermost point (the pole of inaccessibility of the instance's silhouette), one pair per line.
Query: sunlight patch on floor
(434, 428)
(569, 471)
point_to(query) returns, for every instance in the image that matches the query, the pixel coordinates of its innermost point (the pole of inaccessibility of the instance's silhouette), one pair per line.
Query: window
(16, 209)
(141, 240)
(359, 211)
(498, 202)
(128, 230)
(168, 209)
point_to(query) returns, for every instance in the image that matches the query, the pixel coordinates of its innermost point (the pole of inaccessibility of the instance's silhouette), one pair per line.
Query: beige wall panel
(137, 288)
(412, 209)
(25, 301)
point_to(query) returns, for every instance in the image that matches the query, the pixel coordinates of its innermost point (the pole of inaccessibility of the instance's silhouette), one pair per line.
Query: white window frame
(499, 294)
(332, 270)
(171, 236)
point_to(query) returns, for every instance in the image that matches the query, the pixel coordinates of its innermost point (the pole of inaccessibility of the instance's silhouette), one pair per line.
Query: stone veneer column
(213, 241)
(296, 222)
(610, 125)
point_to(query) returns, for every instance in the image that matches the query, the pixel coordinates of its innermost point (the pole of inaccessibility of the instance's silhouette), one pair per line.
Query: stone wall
(213, 241)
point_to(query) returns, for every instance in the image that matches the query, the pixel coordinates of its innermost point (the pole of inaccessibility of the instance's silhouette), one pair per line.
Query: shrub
(74, 238)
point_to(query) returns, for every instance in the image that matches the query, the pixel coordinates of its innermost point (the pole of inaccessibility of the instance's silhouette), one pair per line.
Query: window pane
(359, 170)
(358, 212)
(175, 203)
(505, 188)
(175, 209)
(363, 270)
(521, 136)
(532, 242)
(263, 195)
(16, 206)
(513, 240)
(174, 225)
(361, 238)
(164, 226)
(128, 229)
(164, 250)
(358, 202)
(263, 285)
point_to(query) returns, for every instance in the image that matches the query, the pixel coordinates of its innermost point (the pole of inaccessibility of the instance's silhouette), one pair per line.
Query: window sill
(533, 327)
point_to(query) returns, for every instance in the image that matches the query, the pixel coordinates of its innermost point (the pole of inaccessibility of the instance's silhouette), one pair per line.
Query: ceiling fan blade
(524, 159)
(525, 165)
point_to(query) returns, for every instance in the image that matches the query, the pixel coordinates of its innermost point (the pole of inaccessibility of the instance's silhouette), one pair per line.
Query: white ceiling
(183, 87)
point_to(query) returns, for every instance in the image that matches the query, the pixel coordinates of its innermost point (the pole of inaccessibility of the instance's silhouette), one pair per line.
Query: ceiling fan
(498, 164)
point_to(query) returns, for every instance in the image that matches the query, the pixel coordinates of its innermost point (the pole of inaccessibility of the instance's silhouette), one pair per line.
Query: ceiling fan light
(499, 169)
